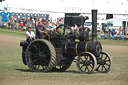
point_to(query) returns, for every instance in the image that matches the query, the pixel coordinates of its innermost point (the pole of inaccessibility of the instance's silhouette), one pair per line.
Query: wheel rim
(86, 63)
(38, 56)
(104, 62)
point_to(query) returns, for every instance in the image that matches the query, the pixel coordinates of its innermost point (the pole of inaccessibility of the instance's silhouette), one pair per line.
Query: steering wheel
(63, 30)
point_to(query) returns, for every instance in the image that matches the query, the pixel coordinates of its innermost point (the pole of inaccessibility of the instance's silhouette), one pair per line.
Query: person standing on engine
(40, 30)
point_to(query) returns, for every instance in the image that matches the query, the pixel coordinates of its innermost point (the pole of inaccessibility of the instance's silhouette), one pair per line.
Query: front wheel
(104, 62)
(86, 63)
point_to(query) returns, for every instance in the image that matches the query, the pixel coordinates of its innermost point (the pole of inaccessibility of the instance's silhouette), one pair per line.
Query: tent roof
(1, 7)
(83, 6)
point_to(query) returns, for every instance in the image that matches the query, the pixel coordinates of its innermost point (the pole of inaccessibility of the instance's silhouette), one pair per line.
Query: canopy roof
(82, 6)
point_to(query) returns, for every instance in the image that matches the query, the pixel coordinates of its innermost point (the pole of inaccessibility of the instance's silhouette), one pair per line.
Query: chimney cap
(94, 10)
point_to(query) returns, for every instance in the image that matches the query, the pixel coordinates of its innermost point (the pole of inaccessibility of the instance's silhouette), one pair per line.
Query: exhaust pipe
(94, 25)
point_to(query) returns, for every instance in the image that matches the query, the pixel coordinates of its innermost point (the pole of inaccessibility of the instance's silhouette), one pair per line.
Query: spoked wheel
(63, 29)
(104, 62)
(40, 55)
(86, 63)
(61, 68)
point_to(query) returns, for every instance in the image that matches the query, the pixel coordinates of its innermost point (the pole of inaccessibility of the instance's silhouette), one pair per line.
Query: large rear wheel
(40, 55)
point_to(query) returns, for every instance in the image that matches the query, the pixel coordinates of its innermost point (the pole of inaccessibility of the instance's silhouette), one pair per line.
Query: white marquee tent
(83, 6)
(69, 6)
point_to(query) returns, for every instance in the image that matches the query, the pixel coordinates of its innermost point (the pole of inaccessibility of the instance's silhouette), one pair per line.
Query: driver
(40, 30)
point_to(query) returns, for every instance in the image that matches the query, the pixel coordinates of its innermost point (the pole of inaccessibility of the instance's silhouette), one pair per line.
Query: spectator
(9, 24)
(113, 31)
(106, 36)
(54, 26)
(115, 36)
(12, 24)
(28, 22)
(30, 35)
(121, 36)
(21, 25)
(120, 29)
(102, 35)
(126, 37)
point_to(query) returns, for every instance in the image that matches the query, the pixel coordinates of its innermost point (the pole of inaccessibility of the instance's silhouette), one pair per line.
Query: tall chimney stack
(94, 24)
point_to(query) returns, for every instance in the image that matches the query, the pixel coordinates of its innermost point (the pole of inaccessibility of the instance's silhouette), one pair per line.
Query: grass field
(13, 72)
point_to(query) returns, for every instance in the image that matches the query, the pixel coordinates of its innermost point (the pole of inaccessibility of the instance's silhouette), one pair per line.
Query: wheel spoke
(106, 57)
(81, 59)
(43, 67)
(91, 66)
(101, 56)
(30, 53)
(107, 61)
(98, 66)
(46, 55)
(41, 62)
(91, 62)
(39, 49)
(38, 67)
(87, 68)
(104, 67)
(81, 66)
(44, 49)
(34, 66)
(107, 64)
(33, 61)
(86, 57)
(35, 48)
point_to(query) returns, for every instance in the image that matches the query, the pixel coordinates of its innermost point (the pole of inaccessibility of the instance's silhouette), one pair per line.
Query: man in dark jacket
(40, 30)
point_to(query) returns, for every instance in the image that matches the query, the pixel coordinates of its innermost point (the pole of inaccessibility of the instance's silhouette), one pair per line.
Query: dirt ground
(13, 41)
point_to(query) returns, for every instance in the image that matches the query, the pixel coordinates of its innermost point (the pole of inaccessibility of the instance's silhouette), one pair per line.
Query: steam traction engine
(57, 51)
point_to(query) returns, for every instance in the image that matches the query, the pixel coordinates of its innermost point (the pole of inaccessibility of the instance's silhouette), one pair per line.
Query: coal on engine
(58, 50)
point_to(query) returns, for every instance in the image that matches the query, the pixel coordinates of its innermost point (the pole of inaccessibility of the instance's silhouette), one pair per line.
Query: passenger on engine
(30, 35)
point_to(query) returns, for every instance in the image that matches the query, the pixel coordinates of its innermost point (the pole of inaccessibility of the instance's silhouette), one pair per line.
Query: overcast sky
(83, 6)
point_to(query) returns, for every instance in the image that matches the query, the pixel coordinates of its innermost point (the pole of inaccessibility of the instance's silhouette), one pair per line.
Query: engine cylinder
(83, 36)
(77, 48)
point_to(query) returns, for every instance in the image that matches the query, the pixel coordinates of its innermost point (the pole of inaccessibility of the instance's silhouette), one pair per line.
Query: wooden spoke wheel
(104, 62)
(86, 63)
(40, 55)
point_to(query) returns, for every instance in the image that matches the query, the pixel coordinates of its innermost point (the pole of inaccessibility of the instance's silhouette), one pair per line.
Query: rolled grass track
(13, 72)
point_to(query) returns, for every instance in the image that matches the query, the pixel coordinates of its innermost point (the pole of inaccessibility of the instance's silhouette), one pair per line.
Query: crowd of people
(34, 23)
(23, 23)
(115, 34)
